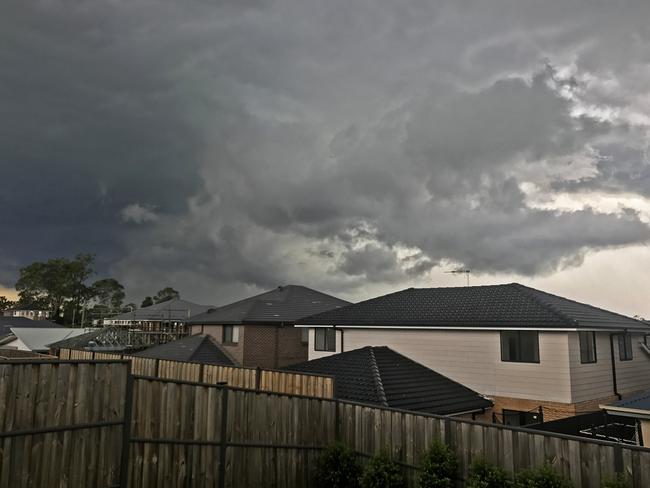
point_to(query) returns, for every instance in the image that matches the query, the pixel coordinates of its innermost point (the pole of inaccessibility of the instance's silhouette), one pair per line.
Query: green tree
(166, 294)
(57, 285)
(6, 304)
(109, 293)
(147, 302)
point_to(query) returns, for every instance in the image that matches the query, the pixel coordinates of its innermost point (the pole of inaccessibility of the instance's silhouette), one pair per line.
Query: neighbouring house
(27, 313)
(381, 376)
(200, 348)
(37, 339)
(165, 320)
(637, 409)
(259, 331)
(530, 351)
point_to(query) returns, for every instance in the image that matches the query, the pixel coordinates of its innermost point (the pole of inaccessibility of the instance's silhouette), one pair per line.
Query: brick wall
(270, 346)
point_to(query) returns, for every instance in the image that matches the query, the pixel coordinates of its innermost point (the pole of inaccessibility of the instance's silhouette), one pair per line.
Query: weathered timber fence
(236, 376)
(187, 434)
(62, 423)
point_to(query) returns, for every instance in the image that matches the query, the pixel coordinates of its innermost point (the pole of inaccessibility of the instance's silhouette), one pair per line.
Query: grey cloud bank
(227, 147)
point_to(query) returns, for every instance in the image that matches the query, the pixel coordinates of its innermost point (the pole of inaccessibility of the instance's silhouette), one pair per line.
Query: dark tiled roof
(382, 376)
(175, 310)
(510, 305)
(7, 322)
(283, 304)
(637, 402)
(198, 348)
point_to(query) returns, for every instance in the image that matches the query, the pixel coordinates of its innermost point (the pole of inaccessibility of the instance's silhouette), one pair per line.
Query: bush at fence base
(337, 467)
(483, 474)
(544, 477)
(439, 467)
(381, 472)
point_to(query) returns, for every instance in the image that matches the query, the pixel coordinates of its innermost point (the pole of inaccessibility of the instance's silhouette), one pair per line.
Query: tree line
(64, 288)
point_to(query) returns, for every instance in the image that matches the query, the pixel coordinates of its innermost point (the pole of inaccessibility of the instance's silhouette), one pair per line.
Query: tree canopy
(166, 294)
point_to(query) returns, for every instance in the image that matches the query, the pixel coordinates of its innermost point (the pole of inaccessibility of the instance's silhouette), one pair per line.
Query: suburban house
(200, 348)
(165, 320)
(27, 313)
(259, 331)
(532, 353)
(381, 376)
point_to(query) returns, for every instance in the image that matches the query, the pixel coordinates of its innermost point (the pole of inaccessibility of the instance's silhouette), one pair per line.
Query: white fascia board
(445, 327)
(312, 326)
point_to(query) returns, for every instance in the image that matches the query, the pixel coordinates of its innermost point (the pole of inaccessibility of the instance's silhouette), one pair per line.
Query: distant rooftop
(38, 339)
(284, 304)
(382, 376)
(175, 310)
(638, 406)
(198, 348)
(510, 305)
(6, 323)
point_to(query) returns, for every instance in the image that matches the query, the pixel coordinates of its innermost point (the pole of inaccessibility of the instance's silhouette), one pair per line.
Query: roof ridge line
(379, 386)
(523, 290)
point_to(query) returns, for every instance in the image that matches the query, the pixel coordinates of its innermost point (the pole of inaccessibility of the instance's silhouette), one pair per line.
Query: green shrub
(337, 467)
(439, 467)
(381, 472)
(483, 474)
(544, 477)
(620, 481)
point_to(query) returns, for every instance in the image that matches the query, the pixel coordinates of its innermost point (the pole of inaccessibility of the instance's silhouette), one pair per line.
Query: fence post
(223, 444)
(126, 428)
(258, 378)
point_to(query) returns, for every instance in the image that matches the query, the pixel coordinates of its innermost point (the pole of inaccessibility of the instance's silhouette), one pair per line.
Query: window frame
(593, 344)
(519, 333)
(625, 340)
(232, 337)
(329, 336)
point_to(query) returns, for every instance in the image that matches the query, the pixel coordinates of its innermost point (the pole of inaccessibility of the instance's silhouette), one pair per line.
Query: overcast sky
(353, 146)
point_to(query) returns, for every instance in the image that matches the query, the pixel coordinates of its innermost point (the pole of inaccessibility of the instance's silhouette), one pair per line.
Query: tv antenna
(466, 272)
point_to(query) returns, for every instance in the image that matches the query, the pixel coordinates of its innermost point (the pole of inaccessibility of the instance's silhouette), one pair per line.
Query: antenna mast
(466, 272)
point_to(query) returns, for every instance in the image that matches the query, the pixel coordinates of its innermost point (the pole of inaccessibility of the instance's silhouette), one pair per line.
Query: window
(587, 347)
(230, 334)
(325, 339)
(625, 347)
(304, 336)
(519, 418)
(519, 346)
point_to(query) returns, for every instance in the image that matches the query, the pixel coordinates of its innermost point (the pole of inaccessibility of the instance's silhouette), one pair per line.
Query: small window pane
(230, 334)
(520, 346)
(235, 334)
(319, 343)
(625, 347)
(325, 339)
(587, 347)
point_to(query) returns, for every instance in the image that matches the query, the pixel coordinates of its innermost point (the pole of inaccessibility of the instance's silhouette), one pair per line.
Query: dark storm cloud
(230, 146)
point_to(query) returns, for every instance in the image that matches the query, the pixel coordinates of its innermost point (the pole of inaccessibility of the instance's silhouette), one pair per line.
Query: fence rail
(236, 376)
(185, 434)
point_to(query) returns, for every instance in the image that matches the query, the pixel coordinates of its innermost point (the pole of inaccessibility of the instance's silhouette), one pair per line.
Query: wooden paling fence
(235, 376)
(62, 423)
(183, 434)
